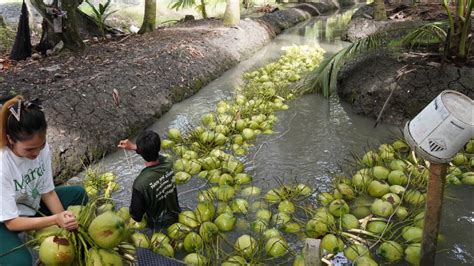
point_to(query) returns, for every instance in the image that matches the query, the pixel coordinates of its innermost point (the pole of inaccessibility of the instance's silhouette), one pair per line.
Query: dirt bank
(150, 72)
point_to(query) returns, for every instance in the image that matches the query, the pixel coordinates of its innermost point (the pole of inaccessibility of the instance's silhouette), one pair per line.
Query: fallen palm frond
(324, 78)
(434, 32)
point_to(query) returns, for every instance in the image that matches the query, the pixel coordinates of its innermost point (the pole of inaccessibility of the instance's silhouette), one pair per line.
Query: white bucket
(445, 125)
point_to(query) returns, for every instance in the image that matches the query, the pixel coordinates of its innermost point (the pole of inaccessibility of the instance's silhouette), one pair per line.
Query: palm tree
(149, 18)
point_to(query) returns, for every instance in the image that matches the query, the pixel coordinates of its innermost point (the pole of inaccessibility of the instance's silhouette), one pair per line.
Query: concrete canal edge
(172, 65)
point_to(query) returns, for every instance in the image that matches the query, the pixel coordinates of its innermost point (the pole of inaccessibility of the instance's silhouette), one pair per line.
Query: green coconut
(140, 240)
(412, 234)
(392, 198)
(225, 193)
(460, 159)
(355, 251)
(390, 251)
(106, 207)
(379, 172)
(174, 134)
(225, 222)
(398, 165)
(250, 192)
(159, 238)
(365, 261)
(452, 179)
(208, 231)
(276, 247)
(338, 207)
(371, 158)
(192, 242)
(270, 233)
(188, 218)
(234, 261)
(316, 228)
(304, 190)
(223, 207)
(195, 259)
(124, 213)
(419, 219)
(107, 230)
(325, 198)
(360, 211)
(164, 249)
(378, 188)
(468, 178)
(52, 230)
(246, 246)
(401, 213)
(181, 178)
(414, 197)
(286, 206)
(324, 215)
(264, 215)
(299, 260)
(205, 196)
(376, 227)
(281, 218)
(239, 206)
(242, 178)
(248, 134)
(291, 228)
(349, 221)
(397, 189)
(397, 177)
(273, 196)
(205, 211)
(103, 257)
(346, 191)
(259, 226)
(381, 208)
(56, 250)
(178, 231)
(332, 244)
(413, 253)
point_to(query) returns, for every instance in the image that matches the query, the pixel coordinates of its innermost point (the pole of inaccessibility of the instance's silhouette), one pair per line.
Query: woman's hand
(66, 220)
(127, 144)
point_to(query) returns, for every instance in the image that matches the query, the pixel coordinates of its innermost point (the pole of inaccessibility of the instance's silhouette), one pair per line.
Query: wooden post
(434, 203)
(311, 252)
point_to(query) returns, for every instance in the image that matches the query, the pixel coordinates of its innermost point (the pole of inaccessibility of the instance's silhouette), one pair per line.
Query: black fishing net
(148, 257)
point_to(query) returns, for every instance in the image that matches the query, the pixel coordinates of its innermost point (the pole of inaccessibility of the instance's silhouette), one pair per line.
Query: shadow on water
(312, 139)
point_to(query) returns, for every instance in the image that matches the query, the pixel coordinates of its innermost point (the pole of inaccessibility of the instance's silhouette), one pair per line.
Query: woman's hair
(20, 120)
(148, 145)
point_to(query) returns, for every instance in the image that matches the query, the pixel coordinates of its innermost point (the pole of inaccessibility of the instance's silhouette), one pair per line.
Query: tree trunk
(2, 22)
(203, 9)
(70, 31)
(149, 18)
(379, 10)
(232, 13)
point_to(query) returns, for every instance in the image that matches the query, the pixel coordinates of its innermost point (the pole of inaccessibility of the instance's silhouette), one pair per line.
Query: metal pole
(434, 203)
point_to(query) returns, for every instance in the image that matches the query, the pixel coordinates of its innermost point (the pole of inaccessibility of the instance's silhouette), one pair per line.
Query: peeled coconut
(56, 250)
(390, 251)
(332, 244)
(276, 247)
(107, 230)
(103, 257)
(246, 245)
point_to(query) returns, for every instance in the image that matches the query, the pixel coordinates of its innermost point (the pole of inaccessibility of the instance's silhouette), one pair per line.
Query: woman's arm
(64, 219)
(51, 200)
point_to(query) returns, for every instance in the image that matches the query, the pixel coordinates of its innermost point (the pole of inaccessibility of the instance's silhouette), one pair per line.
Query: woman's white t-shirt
(23, 181)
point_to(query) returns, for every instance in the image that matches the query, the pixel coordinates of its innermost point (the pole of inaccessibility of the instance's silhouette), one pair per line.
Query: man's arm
(137, 205)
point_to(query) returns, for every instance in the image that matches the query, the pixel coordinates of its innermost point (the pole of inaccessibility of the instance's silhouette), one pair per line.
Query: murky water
(312, 139)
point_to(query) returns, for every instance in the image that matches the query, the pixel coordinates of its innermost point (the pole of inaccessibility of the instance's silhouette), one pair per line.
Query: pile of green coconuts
(373, 215)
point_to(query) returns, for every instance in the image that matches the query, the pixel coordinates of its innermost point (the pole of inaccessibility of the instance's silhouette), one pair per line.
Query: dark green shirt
(154, 193)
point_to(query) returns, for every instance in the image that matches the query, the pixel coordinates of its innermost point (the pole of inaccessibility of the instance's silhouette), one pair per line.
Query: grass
(7, 37)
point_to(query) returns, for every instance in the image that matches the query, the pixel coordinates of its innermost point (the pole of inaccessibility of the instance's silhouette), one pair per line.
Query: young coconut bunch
(98, 183)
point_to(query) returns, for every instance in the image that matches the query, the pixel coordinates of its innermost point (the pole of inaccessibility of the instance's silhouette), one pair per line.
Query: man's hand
(127, 144)
(66, 220)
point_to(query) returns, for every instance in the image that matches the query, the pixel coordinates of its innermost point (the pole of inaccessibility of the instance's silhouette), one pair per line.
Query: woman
(28, 198)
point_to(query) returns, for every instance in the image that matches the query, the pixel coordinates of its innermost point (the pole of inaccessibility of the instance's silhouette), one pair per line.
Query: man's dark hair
(148, 145)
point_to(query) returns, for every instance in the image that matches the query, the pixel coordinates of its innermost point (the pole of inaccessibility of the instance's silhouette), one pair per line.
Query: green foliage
(180, 4)
(101, 13)
(430, 33)
(324, 78)
(7, 37)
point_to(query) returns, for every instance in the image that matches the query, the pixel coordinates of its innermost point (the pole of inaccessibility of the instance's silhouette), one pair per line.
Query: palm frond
(434, 32)
(179, 4)
(324, 78)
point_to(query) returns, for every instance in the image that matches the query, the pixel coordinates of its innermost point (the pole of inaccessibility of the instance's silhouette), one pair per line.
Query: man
(154, 192)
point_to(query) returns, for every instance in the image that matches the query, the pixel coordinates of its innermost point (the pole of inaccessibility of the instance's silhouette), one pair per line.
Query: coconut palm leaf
(324, 78)
(434, 32)
(182, 4)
